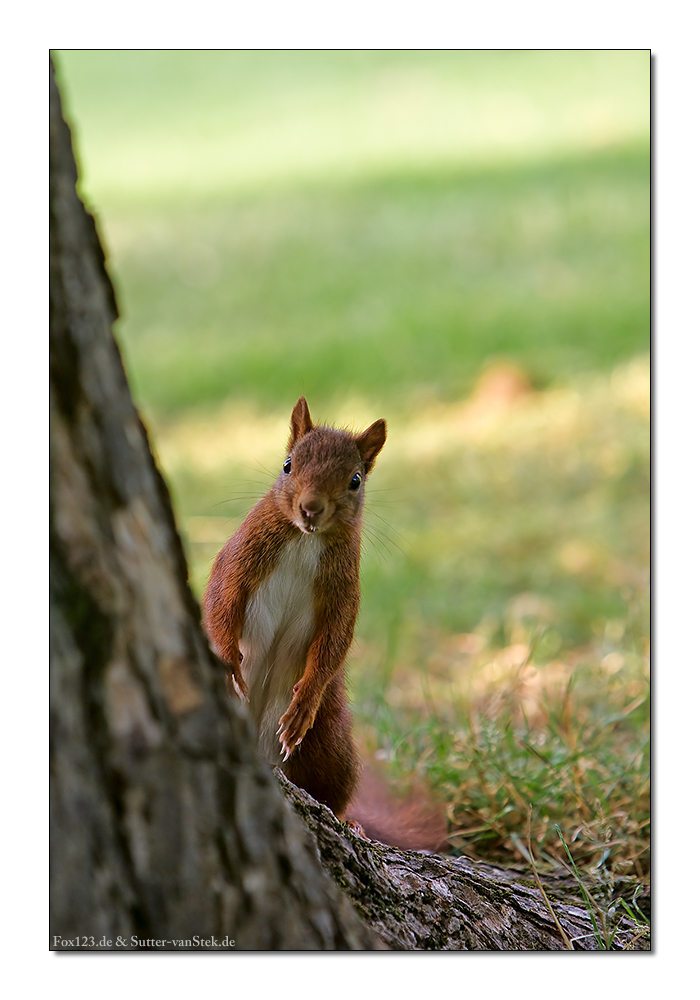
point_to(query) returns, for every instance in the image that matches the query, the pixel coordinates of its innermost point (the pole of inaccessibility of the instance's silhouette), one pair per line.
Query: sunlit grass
(517, 673)
(495, 735)
(396, 292)
(160, 125)
(518, 226)
(508, 473)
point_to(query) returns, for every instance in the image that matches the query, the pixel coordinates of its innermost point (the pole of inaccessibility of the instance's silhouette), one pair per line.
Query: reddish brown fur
(316, 729)
(238, 570)
(412, 822)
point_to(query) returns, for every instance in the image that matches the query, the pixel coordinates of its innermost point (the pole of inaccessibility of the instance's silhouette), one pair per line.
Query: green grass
(386, 232)
(168, 127)
(449, 207)
(504, 656)
(395, 291)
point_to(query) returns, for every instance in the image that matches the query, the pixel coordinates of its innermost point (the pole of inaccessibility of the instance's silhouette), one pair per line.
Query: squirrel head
(322, 484)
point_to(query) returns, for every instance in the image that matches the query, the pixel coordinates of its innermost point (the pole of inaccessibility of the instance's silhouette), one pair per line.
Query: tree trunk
(167, 829)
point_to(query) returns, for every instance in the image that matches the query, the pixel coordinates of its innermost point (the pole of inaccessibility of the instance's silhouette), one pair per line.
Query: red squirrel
(282, 600)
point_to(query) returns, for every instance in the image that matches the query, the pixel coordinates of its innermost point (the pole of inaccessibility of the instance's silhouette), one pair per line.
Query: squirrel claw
(295, 723)
(239, 684)
(287, 747)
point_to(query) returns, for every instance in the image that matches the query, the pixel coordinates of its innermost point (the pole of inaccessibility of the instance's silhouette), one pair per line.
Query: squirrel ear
(371, 442)
(301, 422)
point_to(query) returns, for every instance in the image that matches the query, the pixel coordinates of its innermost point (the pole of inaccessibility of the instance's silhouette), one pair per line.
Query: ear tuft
(301, 422)
(371, 442)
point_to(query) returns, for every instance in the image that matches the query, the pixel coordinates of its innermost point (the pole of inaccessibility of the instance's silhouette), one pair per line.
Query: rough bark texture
(165, 823)
(419, 901)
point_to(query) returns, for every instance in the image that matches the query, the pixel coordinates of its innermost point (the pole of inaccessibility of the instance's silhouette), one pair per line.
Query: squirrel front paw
(296, 722)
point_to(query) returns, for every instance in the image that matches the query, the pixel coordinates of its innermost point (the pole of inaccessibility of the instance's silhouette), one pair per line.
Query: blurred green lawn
(385, 232)
(365, 224)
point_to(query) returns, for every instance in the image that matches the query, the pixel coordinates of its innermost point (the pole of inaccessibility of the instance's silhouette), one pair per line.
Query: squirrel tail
(411, 823)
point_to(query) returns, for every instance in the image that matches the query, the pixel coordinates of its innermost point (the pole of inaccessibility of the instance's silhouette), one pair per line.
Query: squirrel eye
(355, 481)
(287, 467)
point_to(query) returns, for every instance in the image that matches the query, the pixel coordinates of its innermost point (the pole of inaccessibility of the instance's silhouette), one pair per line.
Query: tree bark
(167, 829)
(419, 901)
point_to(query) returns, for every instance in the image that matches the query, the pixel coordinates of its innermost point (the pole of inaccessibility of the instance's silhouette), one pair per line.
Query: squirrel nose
(311, 507)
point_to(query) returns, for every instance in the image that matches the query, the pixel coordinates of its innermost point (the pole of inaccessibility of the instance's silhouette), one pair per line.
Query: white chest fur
(278, 629)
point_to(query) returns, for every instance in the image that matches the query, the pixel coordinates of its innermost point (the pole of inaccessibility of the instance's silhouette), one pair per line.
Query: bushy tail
(411, 823)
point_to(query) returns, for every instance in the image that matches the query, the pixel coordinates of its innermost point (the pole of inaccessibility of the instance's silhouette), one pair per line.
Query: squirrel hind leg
(326, 763)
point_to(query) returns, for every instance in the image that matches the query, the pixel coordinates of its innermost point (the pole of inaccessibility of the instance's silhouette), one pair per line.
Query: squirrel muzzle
(312, 511)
